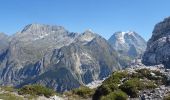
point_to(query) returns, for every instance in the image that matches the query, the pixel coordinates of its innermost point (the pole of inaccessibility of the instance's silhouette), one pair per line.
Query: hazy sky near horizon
(102, 16)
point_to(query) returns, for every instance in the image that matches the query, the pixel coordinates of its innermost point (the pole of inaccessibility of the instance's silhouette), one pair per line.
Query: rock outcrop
(158, 47)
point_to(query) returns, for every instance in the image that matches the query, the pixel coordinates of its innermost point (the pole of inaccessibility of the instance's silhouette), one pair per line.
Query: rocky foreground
(162, 90)
(137, 82)
(158, 46)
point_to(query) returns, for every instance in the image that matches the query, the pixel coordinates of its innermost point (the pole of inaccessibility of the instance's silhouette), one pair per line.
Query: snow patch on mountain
(121, 38)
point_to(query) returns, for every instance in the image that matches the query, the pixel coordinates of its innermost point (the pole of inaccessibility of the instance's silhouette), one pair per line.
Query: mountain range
(54, 57)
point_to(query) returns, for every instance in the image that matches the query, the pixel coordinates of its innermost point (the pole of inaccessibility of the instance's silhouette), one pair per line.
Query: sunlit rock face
(129, 43)
(129, 46)
(158, 47)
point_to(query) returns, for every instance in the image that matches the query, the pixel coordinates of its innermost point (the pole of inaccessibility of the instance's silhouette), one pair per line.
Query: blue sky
(102, 16)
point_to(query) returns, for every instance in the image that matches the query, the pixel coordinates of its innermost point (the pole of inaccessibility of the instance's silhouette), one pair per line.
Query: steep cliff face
(158, 47)
(4, 45)
(54, 57)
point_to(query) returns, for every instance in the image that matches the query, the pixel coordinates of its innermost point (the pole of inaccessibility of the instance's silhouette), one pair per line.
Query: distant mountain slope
(57, 58)
(158, 47)
(4, 42)
(129, 43)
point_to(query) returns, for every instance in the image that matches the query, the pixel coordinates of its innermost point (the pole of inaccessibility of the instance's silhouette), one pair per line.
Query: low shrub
(159, 78)
(144, 72)
(129, 83)
(116, 77)
(116, 95)
(36, 90)
(83, 91)
(132, 86)
(103, 90)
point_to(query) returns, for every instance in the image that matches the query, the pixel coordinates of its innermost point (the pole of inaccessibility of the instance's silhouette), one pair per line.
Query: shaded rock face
(56, 58)
(129, 43)
(4, 45)
(158, 47)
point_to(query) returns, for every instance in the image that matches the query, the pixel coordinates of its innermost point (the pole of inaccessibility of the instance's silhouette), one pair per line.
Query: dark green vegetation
(110, 87)
(116, 95)
(134, 85)
(154, 75)
(36, 90)
(82, 92)
(28, 92)
(119, 86)
(128, 83)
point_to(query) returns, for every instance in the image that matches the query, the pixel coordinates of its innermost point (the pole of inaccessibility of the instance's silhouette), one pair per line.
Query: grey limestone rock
(158, 47)
(56, 58)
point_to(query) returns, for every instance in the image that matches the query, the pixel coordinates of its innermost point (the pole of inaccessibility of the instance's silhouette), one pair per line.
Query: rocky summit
(129, 43)
(54, 57)
(158, 47)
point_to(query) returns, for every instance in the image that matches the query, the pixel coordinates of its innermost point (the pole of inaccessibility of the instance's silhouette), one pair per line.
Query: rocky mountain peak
(38, 28)
(88, 31)
(87, 36)
(158, 47)
(128, 43)
(34, 32)
(121, 36)
(161, 29)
